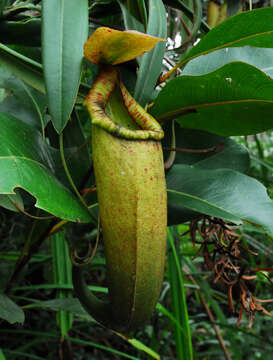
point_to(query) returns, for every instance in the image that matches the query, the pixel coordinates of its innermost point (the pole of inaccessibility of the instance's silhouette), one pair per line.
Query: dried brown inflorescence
(221, 248)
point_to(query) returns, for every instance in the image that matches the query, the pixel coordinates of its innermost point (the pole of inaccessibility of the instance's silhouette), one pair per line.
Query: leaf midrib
(181, 110)
(180, 193)
(225, 45)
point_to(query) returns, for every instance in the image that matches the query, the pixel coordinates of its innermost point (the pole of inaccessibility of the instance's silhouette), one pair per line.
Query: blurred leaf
(130, 22)
(64, 31)
(3, 4)
(9, 311)
(8, 201)
(206, 290)
(29, 52)
(101, 8)
(24, 68)
(62, 274)
(109, 46)
(253, 28)
(142, 347)
(72, 339)
(14, 255)
(77, 151)
(179, 305)
(2, 356)
(21, 33)
(233, 100)
(102, 347)
(151, 63)
(221, 193)
(21, 99)
(233, 7)
(222, 152)
(142, 11)
(187, 11)
(26, 162)
(69, 305)
(261, 58)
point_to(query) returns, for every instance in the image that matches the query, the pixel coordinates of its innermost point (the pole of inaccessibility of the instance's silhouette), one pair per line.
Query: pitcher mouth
(98, 98)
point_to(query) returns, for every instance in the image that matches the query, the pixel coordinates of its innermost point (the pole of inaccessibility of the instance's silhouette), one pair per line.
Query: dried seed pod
(131, 190)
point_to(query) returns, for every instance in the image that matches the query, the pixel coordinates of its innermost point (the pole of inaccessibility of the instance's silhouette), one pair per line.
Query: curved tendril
(90, 253)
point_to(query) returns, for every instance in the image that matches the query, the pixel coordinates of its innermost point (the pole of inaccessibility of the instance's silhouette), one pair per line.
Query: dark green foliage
(216, 111)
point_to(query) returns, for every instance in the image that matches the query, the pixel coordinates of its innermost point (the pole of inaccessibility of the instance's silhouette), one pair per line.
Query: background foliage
(221, 98)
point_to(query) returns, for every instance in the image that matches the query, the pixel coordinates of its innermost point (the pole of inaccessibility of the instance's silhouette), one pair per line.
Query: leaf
(187, 11)
(109, 46)
(142, 347)
(2, 356)
(233, 7)
(20, 98)
(62, 274)
(3, 4)
(233, 100)
(151, 63)
(142, 11)
(24, 68)
(23, 166)
(77, 152)
(69, 305)
(223, 152)
(221, 193)
(252, 28)
(64, 31)
(9, 311)
(261, 58)
(8, 201)
(178, 301)
(130, 22)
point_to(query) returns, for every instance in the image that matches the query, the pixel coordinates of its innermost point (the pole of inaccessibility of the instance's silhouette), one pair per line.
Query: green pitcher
(131, 190)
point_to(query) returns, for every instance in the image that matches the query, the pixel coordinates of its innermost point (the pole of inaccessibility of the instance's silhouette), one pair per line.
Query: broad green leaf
(21, 99)
(233, 100)
(250, 28)
(9, 311)
(221, 193)
(151, 63)
(62, 274)
(26, 161)
(24, 68)
(109, 46)
(64, 31)
(214, 151)
(261, 58)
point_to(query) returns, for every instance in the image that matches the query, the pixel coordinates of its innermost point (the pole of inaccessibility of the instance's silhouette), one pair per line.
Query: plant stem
(71, 180)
